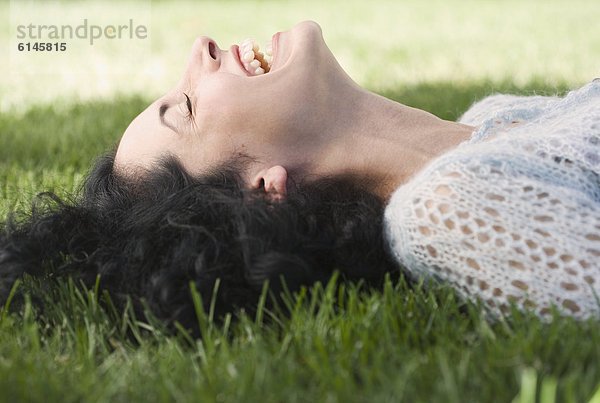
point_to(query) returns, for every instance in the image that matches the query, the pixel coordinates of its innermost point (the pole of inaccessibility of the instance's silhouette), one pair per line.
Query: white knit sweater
(513, 214)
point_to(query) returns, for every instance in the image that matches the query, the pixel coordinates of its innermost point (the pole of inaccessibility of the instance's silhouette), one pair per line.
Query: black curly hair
(149, 237)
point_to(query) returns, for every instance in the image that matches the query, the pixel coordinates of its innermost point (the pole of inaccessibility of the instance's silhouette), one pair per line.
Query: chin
(308, 26)
(308, 45)
(310, 32)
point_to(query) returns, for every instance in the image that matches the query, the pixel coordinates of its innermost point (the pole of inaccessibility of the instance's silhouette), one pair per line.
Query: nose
(205, 53)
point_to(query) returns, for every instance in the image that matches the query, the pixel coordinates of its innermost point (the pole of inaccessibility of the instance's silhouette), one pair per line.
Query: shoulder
(501, 232)
(528, 106)
(498, 104)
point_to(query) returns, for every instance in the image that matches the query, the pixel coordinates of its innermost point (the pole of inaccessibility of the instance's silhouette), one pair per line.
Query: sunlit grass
(383, 44)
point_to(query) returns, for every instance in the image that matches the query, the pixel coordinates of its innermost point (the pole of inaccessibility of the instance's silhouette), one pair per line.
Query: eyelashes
(189, 104)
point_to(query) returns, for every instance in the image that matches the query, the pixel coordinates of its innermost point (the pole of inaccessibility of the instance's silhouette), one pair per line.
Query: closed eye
(189, 104)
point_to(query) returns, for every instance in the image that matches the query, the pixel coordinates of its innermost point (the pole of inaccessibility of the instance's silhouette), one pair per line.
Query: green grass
(338, 344)
(398, 343)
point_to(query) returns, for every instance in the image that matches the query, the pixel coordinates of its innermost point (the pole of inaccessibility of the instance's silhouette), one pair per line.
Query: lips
(234, 51)
(275, 45)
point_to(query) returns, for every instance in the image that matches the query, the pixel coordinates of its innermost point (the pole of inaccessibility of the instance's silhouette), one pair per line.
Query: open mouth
(254, 61)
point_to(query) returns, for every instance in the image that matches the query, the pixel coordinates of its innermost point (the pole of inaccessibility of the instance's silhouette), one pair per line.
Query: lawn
(348, 343)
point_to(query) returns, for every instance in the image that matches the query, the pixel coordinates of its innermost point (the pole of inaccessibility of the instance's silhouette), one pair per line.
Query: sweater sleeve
(510, 219)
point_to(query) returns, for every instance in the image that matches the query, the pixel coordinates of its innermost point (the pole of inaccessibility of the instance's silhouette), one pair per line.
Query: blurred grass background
(383, 44)
(401, 344)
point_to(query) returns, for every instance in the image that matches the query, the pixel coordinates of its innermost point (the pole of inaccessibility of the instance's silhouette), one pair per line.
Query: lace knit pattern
(513, 214)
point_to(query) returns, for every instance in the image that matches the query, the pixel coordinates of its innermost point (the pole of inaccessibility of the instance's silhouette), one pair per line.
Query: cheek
(200, 153)
(222, 109)
(250, 113)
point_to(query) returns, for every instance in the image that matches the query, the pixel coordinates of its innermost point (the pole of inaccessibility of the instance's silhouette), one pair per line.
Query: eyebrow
(161, 113)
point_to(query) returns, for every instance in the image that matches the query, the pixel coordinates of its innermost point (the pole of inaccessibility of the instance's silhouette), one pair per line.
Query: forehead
(145, 140)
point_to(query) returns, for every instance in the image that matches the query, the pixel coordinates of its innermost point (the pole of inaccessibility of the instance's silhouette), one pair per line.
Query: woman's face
(219, 110)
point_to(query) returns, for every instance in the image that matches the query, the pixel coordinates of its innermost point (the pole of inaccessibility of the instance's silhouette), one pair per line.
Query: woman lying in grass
(251, 170)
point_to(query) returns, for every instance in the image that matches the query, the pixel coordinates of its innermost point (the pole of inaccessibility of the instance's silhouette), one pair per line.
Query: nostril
(212, 50)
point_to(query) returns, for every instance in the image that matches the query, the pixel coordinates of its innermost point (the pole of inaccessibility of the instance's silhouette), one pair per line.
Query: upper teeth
(255, 62)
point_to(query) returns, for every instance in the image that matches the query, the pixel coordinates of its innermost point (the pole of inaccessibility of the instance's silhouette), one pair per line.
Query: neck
(384, 141)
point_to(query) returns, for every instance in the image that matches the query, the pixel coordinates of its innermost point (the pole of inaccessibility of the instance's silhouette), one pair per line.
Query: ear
(274, 180)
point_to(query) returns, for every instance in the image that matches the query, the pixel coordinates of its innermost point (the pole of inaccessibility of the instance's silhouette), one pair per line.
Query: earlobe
(274, 180)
